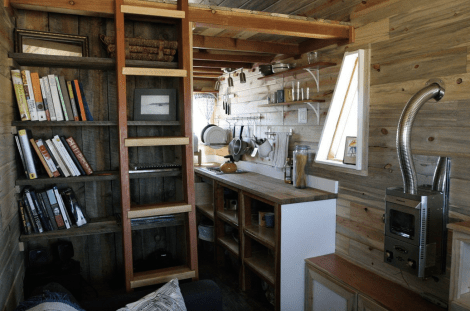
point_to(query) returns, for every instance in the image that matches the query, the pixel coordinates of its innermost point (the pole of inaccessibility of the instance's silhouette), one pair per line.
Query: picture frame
(50, 43)
(350, 148)
(155, 105)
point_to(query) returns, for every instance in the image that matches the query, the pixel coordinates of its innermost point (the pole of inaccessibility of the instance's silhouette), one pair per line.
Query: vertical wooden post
(123, 152)
(185, 62)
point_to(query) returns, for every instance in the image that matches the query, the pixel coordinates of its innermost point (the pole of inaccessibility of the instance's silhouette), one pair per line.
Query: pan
(204, 130)
(240, 147)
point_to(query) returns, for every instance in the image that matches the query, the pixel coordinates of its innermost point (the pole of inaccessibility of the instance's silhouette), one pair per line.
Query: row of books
(49, 210)
(59, 156)
(49, 98)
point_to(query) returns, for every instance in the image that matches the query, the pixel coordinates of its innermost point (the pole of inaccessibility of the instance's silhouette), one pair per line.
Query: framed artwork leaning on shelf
(50, 43)
(350, 150)
(155, 105)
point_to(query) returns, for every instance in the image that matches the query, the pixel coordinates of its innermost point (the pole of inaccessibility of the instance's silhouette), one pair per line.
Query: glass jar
(300, 166)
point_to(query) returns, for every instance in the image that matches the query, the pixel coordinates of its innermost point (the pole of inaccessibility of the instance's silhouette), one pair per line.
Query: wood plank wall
(11, 268)
(100, 256)
(410, 42)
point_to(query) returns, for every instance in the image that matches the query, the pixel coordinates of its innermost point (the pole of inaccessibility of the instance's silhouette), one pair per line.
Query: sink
(217, 171)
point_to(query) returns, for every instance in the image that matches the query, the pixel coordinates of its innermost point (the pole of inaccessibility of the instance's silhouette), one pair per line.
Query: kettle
(229, 166)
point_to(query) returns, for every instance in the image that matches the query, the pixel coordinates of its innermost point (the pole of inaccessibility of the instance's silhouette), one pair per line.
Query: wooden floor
(227, 278)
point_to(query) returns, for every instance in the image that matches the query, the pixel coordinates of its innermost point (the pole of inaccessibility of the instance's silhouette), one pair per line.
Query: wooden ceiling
(239, 33)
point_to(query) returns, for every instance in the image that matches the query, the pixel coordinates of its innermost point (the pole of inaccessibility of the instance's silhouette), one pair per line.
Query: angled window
(347, 119)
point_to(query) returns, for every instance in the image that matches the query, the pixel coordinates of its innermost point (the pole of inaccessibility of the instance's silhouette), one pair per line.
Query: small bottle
(288, 171)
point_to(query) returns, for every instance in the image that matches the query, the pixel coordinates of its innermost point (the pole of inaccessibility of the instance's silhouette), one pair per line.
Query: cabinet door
(366, 304)
(324, 294)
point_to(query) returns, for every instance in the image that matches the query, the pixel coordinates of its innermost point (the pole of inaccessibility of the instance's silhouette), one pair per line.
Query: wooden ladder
(187, 206)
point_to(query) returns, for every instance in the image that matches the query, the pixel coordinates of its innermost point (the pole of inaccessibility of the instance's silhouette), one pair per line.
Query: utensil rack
(256, 118)
(291, 132)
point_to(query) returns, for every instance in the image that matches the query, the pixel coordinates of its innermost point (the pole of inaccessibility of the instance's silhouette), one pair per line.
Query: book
(28, 90)
(50, 102)
(55, 98)
(38, 96)
(47, 157)
(24, 218)
(63, 211)
(45, 221)
(65, 156)
(88, 115)
(34, 212)
(41, 158)
(65, 93)
(34, 227)
(65, 109)
(75, 211)
(72, 101)
(72, 155)
(42, 196)
(44, 99)
(55, 209)
(28, 155)
(80, 157)
(20, 95)
(56, 155)
(20, 151)
(78, 96)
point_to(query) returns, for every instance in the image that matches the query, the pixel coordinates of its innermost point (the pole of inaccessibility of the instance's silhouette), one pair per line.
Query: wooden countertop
(269, 188)
(388, 293)
(463, 226)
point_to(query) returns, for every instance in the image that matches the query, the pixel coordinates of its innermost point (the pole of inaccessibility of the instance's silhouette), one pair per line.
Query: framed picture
(155, 105)
(50, 43)
(350, 150)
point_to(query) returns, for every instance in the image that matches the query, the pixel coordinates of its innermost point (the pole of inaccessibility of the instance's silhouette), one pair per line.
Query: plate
(215, 135)
(204, 131)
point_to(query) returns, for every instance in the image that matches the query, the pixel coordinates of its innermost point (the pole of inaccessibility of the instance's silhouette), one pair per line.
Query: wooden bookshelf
(92, 123)
(96, 176)
(206, 209)
(229, 216)
(263, 235)
(98, 63)
(230, 244)
(263, 265)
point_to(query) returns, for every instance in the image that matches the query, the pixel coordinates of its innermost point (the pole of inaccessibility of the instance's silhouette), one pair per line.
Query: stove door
(403, 223)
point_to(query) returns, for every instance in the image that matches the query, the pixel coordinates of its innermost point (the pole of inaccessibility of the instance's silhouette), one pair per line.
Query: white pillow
(166, 298)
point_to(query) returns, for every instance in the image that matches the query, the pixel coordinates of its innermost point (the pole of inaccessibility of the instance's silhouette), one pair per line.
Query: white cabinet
(459, 296)
(323, 294)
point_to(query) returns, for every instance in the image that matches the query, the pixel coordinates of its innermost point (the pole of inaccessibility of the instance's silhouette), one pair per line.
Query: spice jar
(300, 165)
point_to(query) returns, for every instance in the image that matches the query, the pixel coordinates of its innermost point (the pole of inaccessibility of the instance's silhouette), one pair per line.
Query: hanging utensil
(242, 77)
(217, 84)
(230, 81)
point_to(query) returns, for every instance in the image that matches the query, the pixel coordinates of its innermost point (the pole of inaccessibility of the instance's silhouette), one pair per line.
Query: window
(348, 116)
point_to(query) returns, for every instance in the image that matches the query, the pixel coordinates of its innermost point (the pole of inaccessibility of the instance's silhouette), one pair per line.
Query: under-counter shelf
(206, 209)
(263, 235)
(99, 63)
(263, 265)
(96, 176)
(230, 244)
(92, 123)
(229, 216)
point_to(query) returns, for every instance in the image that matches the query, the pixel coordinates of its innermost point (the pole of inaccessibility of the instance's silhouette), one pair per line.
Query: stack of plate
(214, 136)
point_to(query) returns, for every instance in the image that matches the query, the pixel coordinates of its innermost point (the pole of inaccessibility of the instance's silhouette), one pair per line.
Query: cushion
(166, 298)
(49, 301)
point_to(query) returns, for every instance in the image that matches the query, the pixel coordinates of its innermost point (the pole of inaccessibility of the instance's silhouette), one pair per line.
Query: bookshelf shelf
(94, 226)
(91, 123)
(98, 63)
(96, 176)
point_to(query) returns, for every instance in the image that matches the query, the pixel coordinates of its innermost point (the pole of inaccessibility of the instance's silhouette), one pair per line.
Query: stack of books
(49, 210)
(59, 156)
(49, 98)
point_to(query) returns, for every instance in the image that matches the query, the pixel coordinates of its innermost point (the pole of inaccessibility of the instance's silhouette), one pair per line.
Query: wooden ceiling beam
(233, 58)
(315, 44)
(220, 64)
(230, 44)
(227, 18)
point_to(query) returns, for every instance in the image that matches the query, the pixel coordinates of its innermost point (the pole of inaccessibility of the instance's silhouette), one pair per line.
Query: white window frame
(360, 168)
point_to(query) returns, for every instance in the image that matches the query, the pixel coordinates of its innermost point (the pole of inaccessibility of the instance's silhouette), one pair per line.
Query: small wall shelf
(291, 72)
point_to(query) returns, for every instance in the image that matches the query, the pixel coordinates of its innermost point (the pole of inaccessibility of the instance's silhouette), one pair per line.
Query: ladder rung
(156, 72)
(161, 276)
(152, 11)
(156, 141)
(148, 210)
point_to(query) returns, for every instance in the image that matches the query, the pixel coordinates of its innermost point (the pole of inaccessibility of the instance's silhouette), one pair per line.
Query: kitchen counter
(271, 189)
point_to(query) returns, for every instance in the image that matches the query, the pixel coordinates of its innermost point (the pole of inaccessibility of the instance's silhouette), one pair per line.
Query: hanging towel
(280, 152)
